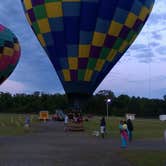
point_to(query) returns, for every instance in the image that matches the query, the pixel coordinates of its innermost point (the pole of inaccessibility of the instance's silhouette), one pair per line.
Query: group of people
(73, 121)
(74, 117)
(125, 127)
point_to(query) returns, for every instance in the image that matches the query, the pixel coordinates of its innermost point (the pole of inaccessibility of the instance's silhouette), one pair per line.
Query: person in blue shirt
(123, 134)
(27, 121)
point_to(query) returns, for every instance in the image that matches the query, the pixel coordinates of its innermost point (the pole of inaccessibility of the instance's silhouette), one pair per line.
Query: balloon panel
(84, 39)
(9, 52)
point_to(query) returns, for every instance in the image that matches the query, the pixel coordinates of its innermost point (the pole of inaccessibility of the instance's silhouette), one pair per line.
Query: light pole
(108, 101)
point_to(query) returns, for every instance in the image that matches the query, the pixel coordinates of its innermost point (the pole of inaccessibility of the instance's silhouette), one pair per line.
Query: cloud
(154, 44)
(142, 53)
(163, 59)
(138, 46)
(161, 50)
(155, 18)
(13, 87)
(156, 35)
(159, 92)
(159, 7)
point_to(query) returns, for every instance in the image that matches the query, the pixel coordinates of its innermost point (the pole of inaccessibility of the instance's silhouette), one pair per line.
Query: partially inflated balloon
(84, 39)
(9, 52)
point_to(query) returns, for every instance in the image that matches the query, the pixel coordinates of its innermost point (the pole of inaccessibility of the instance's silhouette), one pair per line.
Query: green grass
(138, 157)
(13, 124)
(143, 128)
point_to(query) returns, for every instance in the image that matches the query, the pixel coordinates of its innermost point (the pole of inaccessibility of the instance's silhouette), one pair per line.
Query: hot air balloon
(84, 39)
(9, 53)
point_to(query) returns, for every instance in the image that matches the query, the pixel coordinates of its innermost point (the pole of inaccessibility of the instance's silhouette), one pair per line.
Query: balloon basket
(72, 126)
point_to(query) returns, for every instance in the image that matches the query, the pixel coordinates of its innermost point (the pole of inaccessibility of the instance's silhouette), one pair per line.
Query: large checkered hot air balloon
(9, 53)
(84, 39)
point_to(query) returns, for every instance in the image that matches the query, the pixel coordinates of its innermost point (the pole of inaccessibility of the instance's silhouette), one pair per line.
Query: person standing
(130, 129)
(123, 134)
(66, 122)
(102, 127)
(27, 121)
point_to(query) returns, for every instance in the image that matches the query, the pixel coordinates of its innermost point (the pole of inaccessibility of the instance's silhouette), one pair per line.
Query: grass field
(145, 158)
(13, 124)
(143, 128)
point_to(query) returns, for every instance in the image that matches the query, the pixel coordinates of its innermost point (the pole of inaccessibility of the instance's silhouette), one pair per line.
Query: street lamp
(108, 101)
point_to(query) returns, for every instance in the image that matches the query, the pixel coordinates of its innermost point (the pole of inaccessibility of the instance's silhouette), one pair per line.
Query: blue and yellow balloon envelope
(84, 39)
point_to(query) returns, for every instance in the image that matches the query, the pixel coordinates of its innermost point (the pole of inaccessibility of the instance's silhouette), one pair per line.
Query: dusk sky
(140, 72)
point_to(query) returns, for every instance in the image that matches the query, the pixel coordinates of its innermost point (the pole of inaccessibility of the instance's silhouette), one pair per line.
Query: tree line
(119, 106)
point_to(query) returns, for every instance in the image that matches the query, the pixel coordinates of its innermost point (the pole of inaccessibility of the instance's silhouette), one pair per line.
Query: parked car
(58, 116)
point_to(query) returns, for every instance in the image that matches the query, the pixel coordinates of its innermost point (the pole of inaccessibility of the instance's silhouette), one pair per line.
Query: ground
(51, 146)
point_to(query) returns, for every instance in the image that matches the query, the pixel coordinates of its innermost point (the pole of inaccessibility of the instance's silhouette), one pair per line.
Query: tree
(164, 97)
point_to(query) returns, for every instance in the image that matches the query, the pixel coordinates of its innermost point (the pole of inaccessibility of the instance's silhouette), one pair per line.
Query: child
(102, 127)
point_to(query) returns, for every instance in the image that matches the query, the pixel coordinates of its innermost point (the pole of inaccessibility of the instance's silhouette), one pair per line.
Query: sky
(140, 72)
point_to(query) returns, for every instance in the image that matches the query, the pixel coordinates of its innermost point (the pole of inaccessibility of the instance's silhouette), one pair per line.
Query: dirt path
(54, 147)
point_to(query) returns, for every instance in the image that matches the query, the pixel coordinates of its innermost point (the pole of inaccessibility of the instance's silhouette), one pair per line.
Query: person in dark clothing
(130, 129)
(102, 127)
(27, 121)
